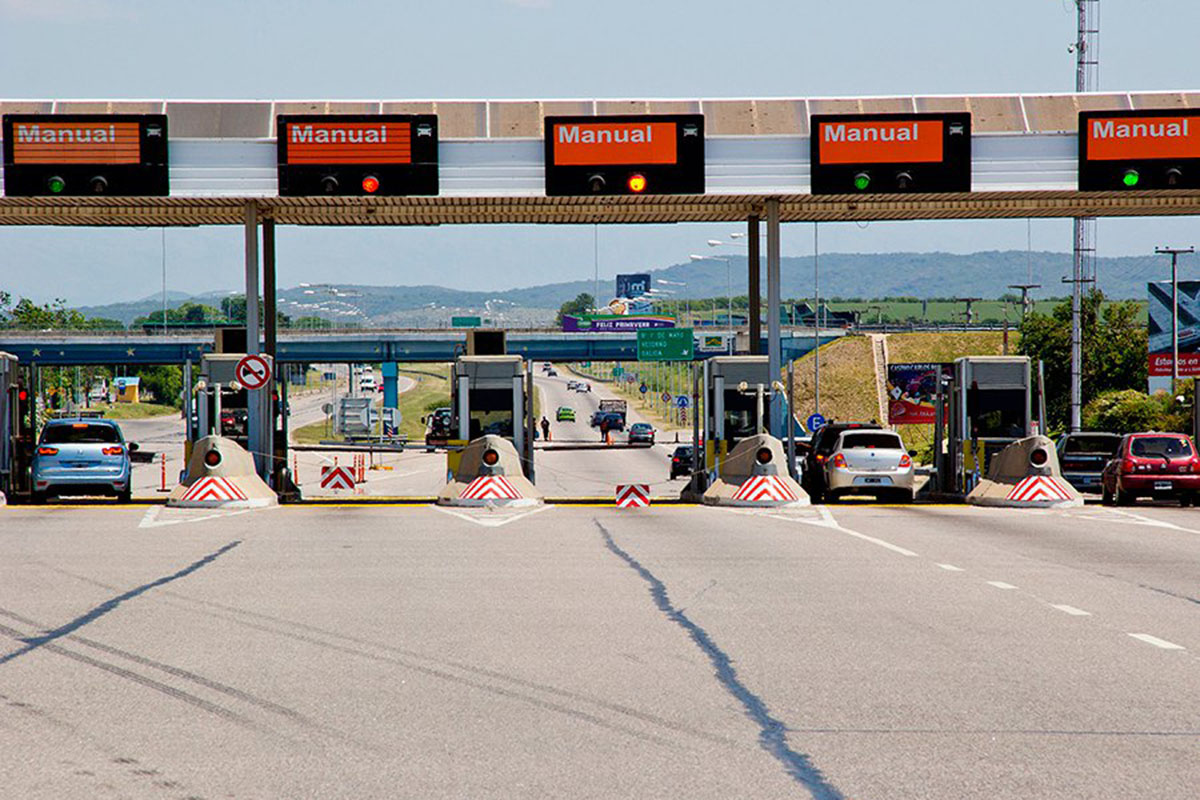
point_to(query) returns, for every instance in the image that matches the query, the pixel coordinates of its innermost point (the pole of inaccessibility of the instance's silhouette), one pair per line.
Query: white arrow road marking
(826, 520)
(490, 521)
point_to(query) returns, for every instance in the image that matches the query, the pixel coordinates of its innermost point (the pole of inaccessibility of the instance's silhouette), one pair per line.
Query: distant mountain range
(865, 275)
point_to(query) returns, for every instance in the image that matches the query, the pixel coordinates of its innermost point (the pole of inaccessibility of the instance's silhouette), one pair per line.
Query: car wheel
(902, 496)
(125, 496)
(37, 498)
(1106, 497)
(1124, 498)
(1185, 499)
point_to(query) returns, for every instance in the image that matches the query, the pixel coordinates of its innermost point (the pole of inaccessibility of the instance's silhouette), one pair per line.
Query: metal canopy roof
(111, 211)
(223, 157)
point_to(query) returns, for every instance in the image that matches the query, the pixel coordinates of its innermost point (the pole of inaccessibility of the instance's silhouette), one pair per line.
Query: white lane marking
(950, 568)
(1001, 585)
(1139, 519)
(1157, 642)
(150, 518)
(1072, 610)
(827, 521)
(490, 522)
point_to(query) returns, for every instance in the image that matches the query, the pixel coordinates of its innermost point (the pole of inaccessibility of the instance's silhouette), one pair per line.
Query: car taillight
(113, 451)
(905, 461)
(47, 451)
(1127, 465)
(839, 460)
(1194, 465)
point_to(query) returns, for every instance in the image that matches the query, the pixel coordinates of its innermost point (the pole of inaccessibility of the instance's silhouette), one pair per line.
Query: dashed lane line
(1001, 585)
(1072, 610)
(950, 568)
(1157, 642)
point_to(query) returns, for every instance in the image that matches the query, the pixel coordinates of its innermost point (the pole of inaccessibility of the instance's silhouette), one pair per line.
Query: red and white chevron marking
(337, 478)
(490, 487)
(633, 495)
(1039, 488)
(213, 489)
(765, 488)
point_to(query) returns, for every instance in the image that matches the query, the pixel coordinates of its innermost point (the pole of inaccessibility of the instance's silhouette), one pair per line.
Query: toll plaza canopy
(491, 163)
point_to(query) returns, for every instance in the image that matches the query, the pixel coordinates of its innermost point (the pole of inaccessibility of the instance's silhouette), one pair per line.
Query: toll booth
(492, 394)
(224, 406)
(993, 402)
(10, 424)
(737, 403)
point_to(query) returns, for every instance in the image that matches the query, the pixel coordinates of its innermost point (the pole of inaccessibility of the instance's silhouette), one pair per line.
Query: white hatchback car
(870, 462)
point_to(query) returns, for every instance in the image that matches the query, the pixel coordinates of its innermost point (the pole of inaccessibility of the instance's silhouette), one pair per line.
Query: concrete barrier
(489, 472)
(754, 474)
(1026, 474)
(220, 474)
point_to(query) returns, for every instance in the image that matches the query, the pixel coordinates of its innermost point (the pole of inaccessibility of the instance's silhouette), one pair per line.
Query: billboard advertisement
(633, 285)
(911, 392)
(1159, 328)
(613, 323)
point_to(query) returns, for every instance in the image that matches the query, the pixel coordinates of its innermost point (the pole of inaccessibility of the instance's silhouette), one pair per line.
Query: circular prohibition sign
(253, 372)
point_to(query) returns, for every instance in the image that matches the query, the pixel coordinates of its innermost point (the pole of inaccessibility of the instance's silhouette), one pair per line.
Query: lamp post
(686, 300)
(728, 282)
(1174, 253)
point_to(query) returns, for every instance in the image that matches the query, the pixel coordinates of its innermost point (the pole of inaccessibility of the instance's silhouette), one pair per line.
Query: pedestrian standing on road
(545, 429)
(604, 429)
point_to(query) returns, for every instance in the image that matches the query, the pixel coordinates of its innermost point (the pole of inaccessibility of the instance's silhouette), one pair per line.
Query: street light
(728, 279)
(686, 300)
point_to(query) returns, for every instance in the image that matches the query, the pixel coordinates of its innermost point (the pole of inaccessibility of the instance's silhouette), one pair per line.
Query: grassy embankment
(133, 410)
(848, 374)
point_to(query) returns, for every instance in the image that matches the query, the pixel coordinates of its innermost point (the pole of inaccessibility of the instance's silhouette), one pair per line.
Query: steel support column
(754, 273)
(774, 355)
(258, 417)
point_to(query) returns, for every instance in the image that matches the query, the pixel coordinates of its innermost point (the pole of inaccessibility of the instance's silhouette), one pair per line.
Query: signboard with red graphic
(911, 392)
(253, 372)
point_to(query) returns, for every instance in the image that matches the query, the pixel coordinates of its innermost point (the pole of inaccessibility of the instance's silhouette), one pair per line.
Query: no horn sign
(253, 372)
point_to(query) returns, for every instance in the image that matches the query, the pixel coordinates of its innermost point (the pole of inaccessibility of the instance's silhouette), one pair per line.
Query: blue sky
(541, 49)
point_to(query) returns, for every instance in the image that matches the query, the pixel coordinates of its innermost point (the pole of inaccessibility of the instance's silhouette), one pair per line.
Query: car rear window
(1091, 445)
(1160, 446)
(866, 440)
(80, 433)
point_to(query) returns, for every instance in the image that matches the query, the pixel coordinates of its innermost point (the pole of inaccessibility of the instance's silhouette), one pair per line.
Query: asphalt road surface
(406, 651)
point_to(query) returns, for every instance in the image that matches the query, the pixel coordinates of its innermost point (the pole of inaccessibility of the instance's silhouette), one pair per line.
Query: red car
(1159, 465)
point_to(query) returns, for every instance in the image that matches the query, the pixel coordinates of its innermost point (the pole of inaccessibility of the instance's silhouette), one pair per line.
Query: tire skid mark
(150, 683)
(238, 616)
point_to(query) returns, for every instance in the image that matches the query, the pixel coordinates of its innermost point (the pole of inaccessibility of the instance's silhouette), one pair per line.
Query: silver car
(82, 456)
(870, 462)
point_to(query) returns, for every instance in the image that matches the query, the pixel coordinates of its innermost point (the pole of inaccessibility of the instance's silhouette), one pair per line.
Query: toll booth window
(997, 413)
(80, 434)
(740, 411)
(491, 412)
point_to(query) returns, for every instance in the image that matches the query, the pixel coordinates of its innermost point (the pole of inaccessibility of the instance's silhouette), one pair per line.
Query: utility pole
(1087, 79)
(1174, 253)
(1024, 287)
(970, 301)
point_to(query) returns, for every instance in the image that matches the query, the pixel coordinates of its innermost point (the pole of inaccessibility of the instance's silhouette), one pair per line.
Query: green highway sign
(664, 344)
(618, 371)
(466, 322)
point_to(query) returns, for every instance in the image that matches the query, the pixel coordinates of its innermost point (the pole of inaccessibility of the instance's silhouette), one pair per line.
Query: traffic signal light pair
(635, 183)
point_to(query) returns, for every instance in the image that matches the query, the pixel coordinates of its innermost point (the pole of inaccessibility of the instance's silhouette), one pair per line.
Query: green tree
(164, 382)
(582, 304)
(1114, 351)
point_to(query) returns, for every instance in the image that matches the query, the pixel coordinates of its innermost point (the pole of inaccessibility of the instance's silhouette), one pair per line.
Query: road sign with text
(625, 155)
(891, 153)
(665, 344)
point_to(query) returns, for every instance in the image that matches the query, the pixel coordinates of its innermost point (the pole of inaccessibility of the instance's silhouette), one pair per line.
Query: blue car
(82, 457)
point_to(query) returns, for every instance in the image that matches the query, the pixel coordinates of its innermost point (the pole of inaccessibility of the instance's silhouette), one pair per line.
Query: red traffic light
(637, 183)
(370, 184)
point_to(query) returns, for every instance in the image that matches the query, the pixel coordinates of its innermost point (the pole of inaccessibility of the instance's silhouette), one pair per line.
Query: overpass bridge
(48, 349)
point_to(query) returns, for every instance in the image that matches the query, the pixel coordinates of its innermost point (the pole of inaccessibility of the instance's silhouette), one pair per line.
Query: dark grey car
(1082, 457)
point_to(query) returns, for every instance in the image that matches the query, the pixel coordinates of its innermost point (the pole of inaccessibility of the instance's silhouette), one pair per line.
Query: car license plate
(1163, 486)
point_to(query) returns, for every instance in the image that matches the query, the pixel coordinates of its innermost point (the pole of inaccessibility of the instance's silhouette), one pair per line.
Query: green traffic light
(861, 181)
(1131, 177)
(56, 185)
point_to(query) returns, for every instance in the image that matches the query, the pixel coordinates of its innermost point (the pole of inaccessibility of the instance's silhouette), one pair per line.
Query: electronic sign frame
(357, 155)
(890, 153)
(85, 155)
(1138, 152)
(647, 154)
